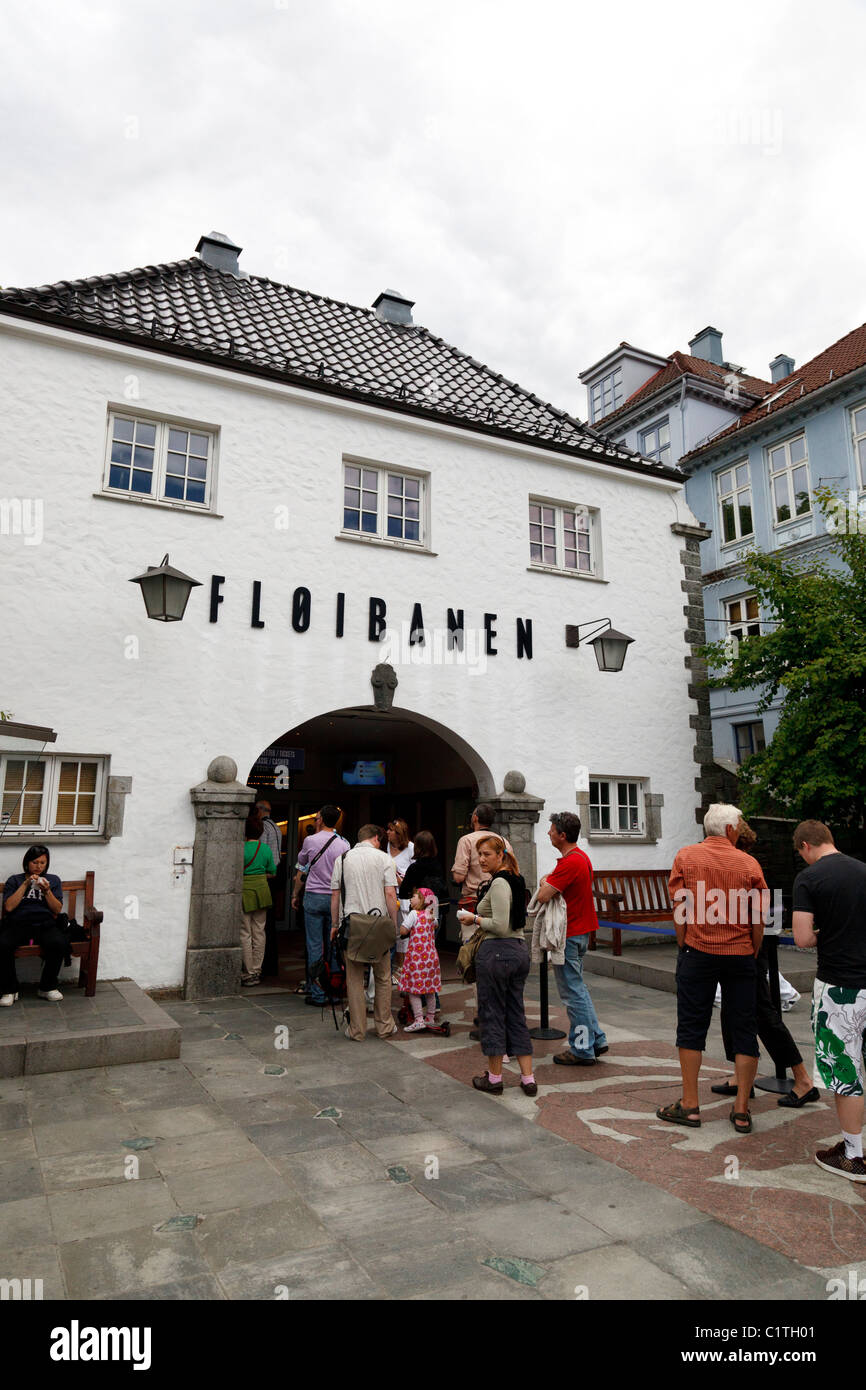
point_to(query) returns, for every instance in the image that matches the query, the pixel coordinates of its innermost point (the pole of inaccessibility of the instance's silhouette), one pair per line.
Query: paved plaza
(327, 1169)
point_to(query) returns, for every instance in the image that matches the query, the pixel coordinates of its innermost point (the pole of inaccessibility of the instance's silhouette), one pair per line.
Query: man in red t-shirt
(572, 877)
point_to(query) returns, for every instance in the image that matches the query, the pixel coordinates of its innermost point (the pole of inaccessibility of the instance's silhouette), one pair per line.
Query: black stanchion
(544, 1033)
(781, 1084)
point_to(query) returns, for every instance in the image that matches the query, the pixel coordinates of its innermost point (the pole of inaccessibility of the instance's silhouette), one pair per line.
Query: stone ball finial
(514, 782)
(222, 769)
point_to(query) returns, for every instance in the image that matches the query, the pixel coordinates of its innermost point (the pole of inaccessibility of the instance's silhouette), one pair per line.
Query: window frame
(856, 441)
(380, 536)
(607, 387)
(732, 639)
(593, 531)
(734, 495)
(751, 725)
(656, 454)
(613, 785)
(49, 827)
(787, 472)
(163, 425)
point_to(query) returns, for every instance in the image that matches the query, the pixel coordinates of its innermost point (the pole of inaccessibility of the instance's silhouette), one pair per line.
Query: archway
(375, 765)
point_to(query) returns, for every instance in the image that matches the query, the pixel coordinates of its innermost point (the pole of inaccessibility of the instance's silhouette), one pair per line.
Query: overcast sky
(544, 180)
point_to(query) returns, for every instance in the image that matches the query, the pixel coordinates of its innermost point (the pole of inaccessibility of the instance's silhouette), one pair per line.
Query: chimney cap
(781, 366)
(218, 250)
(393, 307)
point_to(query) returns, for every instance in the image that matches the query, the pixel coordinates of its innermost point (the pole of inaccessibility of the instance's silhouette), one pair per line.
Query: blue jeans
(585, 1033)
(317, 925)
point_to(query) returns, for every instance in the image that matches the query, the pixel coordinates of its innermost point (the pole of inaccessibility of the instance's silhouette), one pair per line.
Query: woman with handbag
(258, 865)
(501, 968)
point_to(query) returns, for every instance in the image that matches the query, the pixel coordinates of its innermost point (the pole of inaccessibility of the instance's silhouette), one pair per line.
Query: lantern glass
(610, 649)
(166, 592)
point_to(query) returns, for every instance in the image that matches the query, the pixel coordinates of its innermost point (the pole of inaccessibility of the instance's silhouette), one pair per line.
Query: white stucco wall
(199, 689)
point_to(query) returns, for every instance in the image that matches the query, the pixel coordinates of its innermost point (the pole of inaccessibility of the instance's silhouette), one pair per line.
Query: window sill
(726, 547)
(565, 574)
(55, 837)
(600, 838)
(407, 547)
(158, 502)
(805, 519)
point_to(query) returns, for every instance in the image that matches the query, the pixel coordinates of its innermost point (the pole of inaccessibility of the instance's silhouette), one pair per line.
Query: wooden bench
(90, 921)
(630, 899)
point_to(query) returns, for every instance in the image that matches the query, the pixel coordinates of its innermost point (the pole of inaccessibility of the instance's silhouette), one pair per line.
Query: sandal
(677, 1114)
(736, 1115)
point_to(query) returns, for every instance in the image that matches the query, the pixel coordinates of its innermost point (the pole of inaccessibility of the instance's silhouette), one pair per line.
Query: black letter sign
(216, 598)
(524, 637)
(490, 633)
(341, 613)
(455, 629)
(377, 619)
(301, 610)
(416, 634)
(255, 620)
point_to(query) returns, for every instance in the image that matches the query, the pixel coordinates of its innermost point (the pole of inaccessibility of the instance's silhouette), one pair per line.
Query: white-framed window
(748, 739)
(158, 460)
(734, 493)
(384, 503)
(61, 793)
(858, 432)
(606, 395)
(562, 537)
(743, 619)
(616, 806)
(655, 442)
(789, 479)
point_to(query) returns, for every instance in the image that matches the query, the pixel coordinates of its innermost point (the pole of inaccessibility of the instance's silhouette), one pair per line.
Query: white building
(338, 479)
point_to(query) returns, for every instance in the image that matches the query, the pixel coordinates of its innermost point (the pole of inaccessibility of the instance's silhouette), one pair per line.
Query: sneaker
(7, 1000)
(836, 1161)
(788, 1004)
(483, 1083)
(417, 1027)
(53, 994)
(251, 980)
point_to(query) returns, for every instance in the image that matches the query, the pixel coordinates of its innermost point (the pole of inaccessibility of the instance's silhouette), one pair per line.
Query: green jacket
(258, 863)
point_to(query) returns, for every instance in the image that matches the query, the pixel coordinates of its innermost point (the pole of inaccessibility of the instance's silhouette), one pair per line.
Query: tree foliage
(813, 653)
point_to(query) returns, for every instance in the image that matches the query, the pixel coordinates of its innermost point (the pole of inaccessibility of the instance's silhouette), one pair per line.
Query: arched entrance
(375, 765)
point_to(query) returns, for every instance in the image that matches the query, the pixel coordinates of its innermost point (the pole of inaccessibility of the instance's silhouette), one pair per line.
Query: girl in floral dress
(421, 974)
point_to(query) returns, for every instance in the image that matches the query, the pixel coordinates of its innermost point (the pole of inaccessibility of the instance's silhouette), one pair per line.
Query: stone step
(127, 1026)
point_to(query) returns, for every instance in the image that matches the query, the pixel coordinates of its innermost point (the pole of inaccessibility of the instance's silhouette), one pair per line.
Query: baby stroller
(331, 976)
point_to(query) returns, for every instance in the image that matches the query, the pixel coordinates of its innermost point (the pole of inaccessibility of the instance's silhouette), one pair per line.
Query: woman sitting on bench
(31, 901)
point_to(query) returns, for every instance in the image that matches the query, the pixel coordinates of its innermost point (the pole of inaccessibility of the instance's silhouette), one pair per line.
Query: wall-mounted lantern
(165, 591)
(608, 644)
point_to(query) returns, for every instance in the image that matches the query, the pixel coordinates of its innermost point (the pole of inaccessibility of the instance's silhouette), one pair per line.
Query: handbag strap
(255, 856)
(322, 850)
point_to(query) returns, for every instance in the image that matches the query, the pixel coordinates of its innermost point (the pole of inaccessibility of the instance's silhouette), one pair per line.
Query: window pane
(85, 810)
(68, 777)
(413, 487)
(585, 562)
(174, 488)
(780, 493)
(411, 507)
(777, 458)
(66, 810)
(176, 464)
(369, 501)
(195, 492)
(351, 520)
(547, 514)
(724, 482)
(743, 475)
(798, 449)
(860, 421)
(535, 533)
(571, 559)
(664, 434)
(123, 429)
(729, 529)
(353, 476)
(14, 775)
(177, 439)
(368, 523)
(198, 444)
(121, 453)
(535, 552)
(734, 613)
(143, 458)
(395, 485)
(370, 479)
(395, 526)
(141, 482)
(751, 608)
(412, 530)
(745, 504)
(145, 434)
(534, 512)
(118, 477)
(198, 468)
(31, 810)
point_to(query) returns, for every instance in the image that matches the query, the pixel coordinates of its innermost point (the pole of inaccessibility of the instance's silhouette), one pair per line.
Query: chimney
(391, 307)
(219, 251)
(780, 367)
(708, 345)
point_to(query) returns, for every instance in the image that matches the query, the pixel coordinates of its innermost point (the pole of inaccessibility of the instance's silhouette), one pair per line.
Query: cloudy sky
(543, 180)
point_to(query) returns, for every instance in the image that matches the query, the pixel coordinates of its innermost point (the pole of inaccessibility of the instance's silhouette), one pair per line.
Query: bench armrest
(92, 921)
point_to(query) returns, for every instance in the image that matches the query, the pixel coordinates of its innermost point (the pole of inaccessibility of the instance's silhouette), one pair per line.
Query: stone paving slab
(416, 1187)
(119, 1024)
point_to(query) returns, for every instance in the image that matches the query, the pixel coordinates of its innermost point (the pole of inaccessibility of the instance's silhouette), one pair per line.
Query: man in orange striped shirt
(721, 902)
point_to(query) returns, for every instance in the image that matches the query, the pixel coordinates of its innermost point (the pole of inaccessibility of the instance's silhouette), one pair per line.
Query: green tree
(814, 653)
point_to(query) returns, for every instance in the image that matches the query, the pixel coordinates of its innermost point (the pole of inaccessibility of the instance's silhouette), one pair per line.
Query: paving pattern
(765, 1185)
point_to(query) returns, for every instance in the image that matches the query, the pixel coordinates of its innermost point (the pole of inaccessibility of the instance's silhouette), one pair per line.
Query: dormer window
(606, 395)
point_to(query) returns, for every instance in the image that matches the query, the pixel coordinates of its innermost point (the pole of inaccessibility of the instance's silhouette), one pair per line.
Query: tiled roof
(680, 364)
(846, 355)
(252, 324)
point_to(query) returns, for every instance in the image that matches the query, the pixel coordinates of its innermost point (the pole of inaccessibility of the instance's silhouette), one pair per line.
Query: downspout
(683, 416)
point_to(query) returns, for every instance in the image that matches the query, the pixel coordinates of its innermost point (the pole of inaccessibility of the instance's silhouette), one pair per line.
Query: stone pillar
(695, 637)
(213, 955)
(517, 815)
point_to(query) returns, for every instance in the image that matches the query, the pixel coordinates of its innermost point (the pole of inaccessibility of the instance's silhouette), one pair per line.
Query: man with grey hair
(720, 899)
(572, 877)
